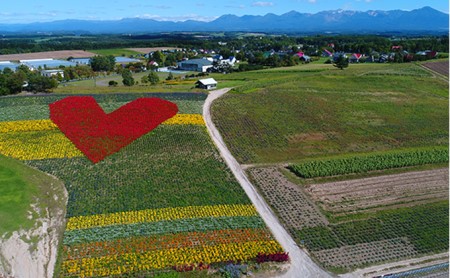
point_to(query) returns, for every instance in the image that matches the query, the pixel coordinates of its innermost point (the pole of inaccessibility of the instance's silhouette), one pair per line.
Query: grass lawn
(100, 85)
(316, 110)
(21, 187)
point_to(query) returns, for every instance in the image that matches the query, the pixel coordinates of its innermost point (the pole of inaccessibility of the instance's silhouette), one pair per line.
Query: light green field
(100, 85)
(21, 187)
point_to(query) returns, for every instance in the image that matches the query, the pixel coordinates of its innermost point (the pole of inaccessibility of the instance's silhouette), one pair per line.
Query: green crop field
(115, 52)
(315, 110)
(331, 125)
(166, 201)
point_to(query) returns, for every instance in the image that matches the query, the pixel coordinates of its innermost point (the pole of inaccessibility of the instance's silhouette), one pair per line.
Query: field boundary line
(435, 73)
(403, 266)
(301, 263)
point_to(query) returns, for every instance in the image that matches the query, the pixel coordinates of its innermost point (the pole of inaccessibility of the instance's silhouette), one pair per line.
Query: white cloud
(262, 4)
(312, 1)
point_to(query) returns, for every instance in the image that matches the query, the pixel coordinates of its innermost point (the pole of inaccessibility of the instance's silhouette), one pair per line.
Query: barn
(208, 84)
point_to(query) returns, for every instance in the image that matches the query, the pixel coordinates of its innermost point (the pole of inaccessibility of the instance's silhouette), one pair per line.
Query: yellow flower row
(160, 259)
(38, 125)
(29, 125)
(185, 119)
(37, 145)
(153, 215)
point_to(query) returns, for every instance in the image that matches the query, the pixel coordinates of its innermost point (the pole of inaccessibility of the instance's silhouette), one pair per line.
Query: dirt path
(301, 264)
(397, 267)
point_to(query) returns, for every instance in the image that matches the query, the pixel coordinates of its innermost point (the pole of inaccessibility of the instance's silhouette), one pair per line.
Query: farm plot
(381, 192)
(165, 201)
(279, 116)
(402, 228)
(60, 54)
(439, 67)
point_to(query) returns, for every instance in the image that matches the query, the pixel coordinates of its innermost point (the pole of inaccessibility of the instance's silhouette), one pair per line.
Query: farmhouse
(81, 61)
(50, 73)
(208, 84)
(200, 65)
(355, 58)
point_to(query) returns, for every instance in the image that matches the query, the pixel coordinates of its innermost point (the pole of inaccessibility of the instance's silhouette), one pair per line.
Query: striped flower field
(166, 201)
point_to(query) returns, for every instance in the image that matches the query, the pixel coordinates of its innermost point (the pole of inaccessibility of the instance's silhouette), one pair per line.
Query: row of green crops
(425, 226)
(367, 163)
(165, 201)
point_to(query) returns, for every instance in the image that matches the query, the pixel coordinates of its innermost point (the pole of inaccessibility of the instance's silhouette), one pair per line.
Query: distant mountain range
(422, 20)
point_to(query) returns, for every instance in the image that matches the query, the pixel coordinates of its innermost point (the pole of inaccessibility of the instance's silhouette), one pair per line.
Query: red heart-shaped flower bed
(98, 134)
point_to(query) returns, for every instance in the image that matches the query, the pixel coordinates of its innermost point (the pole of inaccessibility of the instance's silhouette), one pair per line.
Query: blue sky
(26, 11)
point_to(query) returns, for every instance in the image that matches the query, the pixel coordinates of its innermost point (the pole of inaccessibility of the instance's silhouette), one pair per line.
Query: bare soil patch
(369, 193)
(439, 67)
(146, 50)
(61, 54)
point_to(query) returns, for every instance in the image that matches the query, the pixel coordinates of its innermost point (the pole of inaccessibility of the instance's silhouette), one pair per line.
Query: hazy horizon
(28, 11)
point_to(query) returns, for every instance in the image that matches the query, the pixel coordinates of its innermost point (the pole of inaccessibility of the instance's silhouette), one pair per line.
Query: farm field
(146, 50)
(439, 67)
(308, 111)
(370, 147)
(115, 52)
(60, 54)
(165, 201)
(352, 224)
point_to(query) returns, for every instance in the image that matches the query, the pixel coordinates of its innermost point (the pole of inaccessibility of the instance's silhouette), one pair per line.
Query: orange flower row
(168, 241)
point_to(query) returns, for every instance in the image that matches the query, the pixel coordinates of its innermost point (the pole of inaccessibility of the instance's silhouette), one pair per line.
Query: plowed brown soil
(61, 54)
(391, 190)
(439, 67)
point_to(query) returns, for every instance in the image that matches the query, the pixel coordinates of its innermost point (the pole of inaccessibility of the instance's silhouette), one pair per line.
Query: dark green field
(316, 110)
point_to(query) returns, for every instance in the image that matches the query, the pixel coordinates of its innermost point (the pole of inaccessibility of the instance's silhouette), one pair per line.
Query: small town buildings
(355, 58)
(208, 84)
(327, 53)
(200, 65)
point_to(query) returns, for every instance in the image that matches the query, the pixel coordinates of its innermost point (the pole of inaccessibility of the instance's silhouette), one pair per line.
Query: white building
(208, 84)
(50, 73)
(200, 65)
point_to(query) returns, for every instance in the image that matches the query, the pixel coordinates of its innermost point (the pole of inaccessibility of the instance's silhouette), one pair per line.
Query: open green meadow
(315, 110)
(20, 188)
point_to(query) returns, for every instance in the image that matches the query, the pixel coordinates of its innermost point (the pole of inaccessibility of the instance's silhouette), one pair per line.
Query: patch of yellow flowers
(35, 145)
(160, 259)
(41, 139)
(153, 215)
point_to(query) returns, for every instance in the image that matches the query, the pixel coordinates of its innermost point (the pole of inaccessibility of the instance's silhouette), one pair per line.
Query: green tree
(128, 79)
(113, 83)
(170, 76)
(41, 84)
(103, 63)
(153, 78)
(341, 62)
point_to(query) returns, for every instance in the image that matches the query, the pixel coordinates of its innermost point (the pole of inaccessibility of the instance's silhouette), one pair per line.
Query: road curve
(301, 263)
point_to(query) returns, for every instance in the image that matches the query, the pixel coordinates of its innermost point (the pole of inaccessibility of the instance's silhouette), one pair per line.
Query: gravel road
(301, 263)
